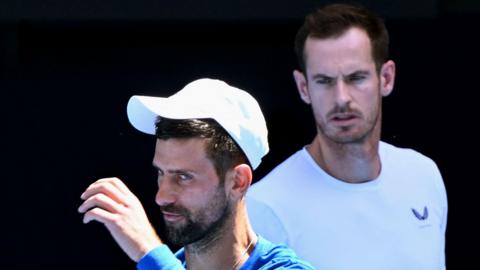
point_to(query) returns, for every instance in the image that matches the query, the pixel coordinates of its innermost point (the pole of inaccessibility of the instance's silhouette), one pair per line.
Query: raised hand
(110, 202)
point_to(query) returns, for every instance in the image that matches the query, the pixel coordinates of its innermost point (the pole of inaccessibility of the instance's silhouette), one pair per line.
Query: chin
(348, 137)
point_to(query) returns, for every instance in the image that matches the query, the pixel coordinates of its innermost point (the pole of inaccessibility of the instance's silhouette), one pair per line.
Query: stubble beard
(345, 135)
(203, 226)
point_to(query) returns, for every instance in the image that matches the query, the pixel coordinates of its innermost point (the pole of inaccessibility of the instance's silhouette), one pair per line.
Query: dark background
(67, 69)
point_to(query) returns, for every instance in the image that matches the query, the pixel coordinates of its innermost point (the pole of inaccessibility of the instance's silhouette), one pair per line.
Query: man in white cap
(210, 137)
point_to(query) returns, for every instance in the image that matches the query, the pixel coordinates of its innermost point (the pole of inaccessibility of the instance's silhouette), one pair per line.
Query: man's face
(191, 197)
(343, 86)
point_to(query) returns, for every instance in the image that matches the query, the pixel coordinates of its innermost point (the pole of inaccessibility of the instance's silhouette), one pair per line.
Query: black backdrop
(68, 71)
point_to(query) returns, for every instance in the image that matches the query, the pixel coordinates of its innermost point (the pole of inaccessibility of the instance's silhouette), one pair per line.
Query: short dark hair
(335, 19)
(221, 149)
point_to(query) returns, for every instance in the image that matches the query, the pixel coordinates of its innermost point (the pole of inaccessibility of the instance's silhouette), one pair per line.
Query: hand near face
(110, 202)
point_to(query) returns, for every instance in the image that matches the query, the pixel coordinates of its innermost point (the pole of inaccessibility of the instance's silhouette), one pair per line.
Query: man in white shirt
(347, 200)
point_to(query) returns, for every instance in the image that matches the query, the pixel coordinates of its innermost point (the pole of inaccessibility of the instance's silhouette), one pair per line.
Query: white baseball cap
(234, 109)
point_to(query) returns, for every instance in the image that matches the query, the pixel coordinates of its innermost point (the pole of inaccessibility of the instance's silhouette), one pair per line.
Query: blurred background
(67, 69)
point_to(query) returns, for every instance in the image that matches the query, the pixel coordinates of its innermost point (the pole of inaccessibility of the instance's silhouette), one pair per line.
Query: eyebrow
(321, 76)
(325, 76)
(359, 72)
(170, 171)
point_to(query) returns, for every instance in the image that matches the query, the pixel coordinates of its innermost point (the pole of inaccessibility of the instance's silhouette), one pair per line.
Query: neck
(355, 162)
(230, 247)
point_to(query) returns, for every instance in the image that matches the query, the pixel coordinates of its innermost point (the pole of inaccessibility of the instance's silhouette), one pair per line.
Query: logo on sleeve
(419, 216)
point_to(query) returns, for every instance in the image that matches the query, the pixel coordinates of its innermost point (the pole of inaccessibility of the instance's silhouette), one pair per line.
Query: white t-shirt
(395, 222)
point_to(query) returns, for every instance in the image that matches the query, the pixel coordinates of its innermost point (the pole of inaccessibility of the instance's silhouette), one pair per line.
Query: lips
(171, 217)
(343, 119)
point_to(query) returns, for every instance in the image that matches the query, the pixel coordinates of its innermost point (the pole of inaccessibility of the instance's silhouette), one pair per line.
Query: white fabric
(340, 226)
(234, 109)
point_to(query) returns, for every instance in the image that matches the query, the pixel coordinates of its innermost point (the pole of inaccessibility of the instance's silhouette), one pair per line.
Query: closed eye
(357, 77)
(323, 80)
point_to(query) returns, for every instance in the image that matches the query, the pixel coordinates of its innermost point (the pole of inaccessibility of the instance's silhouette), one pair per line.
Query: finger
(105, 187)
(119, 185)
(99, 215)
(100, 200)
(116, 182)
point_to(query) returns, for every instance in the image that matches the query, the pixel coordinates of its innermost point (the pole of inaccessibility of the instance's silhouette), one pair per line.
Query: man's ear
(301, 82)
(241, 179)
(387, 78)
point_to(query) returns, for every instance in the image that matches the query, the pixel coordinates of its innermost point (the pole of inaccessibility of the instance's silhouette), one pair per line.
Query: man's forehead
(181, 149)
(182, 154)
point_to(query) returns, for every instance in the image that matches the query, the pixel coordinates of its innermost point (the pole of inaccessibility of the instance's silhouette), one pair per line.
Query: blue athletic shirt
(265, 256)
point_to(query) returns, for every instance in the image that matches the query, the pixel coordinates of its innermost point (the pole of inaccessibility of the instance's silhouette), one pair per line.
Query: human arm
(109, 201)
(269, 256)
(160, 257)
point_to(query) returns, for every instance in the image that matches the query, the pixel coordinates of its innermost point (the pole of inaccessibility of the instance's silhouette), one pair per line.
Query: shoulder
(400, 155)
(412, 165)
(279, 176)
(267, 196)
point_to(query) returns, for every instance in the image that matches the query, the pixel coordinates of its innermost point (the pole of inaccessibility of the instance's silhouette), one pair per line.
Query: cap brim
(142, 111)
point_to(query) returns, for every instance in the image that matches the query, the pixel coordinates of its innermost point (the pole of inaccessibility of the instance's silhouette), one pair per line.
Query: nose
(342, 94)
(165, 194)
